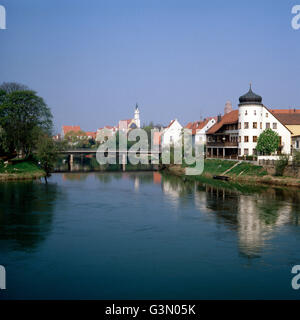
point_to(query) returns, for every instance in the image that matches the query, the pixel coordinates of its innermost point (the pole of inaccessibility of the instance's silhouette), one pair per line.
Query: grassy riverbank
(20, 170)
(242, 172)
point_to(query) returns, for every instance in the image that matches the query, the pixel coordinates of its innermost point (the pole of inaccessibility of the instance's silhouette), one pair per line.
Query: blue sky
(93, 60)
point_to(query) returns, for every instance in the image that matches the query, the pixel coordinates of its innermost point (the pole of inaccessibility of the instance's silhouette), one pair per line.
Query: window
(274, 125)
(267, 115)
(246, 139)
(254, 125)
(246, 125)
(246, 113)
(240, 152)
(246, 152)
(297, 144)
(254, 138)
(267, 125)
(261, 125)
(240, 139)
(255, 112)
(240, 125)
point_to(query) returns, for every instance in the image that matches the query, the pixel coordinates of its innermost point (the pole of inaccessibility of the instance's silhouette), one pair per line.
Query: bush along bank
(242, 172)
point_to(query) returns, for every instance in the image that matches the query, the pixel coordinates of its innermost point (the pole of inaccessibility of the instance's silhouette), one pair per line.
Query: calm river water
(143, 235)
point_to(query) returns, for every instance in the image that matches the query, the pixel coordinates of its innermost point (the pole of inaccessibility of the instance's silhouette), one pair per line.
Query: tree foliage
(46, 152)
(22, 115)
(9, 87)
(268, 142)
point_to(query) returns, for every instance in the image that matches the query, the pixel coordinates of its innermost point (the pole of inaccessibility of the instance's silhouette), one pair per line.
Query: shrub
(281, 165)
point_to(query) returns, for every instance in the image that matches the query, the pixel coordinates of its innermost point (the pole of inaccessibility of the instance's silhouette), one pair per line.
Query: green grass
(248, 169)
(20, 169)
(217, 167)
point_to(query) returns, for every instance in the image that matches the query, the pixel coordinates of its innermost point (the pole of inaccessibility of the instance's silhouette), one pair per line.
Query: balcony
(222, 144)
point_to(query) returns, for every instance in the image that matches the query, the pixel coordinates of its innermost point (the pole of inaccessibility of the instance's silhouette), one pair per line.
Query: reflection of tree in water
(26, 212)
(74, 176)
(255, 216)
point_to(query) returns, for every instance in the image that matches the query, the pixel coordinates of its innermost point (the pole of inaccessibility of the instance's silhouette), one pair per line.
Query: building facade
(172, 134)
(254, 118)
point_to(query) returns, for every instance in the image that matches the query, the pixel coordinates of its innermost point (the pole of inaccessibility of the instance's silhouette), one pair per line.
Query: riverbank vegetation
(238, 172)
(25, 133)
(20, 170)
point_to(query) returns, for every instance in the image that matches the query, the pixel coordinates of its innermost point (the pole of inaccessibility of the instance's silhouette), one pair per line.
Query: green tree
(268, 142)
(9, 87)
(22, 115)
(46, 153)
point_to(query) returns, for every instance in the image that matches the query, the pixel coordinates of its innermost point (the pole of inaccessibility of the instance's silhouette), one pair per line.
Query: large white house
(171, 134)
(199, 129)
(254, 118)
(236, 133)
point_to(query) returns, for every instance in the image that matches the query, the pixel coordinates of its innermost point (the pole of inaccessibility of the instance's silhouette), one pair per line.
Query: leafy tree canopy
(22, 114)
(268, 142)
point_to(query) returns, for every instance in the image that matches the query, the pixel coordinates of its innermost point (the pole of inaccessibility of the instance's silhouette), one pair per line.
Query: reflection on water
(146, 235)
(26, 213)
(254, 216)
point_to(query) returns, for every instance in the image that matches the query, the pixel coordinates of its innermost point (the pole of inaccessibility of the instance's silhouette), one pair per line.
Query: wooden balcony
(222, 144)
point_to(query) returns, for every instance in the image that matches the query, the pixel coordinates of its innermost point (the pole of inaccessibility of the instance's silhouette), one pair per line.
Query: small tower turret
(137, 116)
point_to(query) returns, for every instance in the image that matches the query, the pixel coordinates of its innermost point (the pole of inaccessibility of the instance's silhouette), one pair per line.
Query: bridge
(123, 153)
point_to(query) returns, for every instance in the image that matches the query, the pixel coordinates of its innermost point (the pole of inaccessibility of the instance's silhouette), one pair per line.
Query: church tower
(137, 116)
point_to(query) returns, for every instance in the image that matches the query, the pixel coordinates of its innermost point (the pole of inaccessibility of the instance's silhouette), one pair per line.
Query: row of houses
(236, 132)
(233, 134)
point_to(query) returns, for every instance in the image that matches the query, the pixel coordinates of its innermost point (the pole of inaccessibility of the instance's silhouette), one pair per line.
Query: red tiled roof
(170, 123)
(229, 118)
(91, 134)
(289, 111)
(67, 129)
(288, 118)
(198, 125)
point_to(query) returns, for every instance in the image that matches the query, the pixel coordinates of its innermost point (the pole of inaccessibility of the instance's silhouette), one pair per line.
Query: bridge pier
(71, 162)
(123, 162)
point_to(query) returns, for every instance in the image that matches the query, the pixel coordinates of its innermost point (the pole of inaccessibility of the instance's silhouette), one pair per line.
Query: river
(143, 236)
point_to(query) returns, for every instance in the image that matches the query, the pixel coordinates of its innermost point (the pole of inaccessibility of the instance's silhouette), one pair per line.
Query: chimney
(228, 107)
(219, 118)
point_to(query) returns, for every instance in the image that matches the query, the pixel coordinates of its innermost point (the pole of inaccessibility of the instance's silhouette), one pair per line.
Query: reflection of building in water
(200, 198)
(171, 191)
(156, 177)
(258, 218)
(136, 183)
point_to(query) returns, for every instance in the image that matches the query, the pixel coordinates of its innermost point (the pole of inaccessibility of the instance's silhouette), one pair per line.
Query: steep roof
(289, 111)
(288, 119)
(170, 123)
(229, 118)
(197, 125)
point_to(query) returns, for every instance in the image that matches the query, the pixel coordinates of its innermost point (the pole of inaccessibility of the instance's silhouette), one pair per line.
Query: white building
(199, 129)
(296, 143)
(172, 134)
(254, 118)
